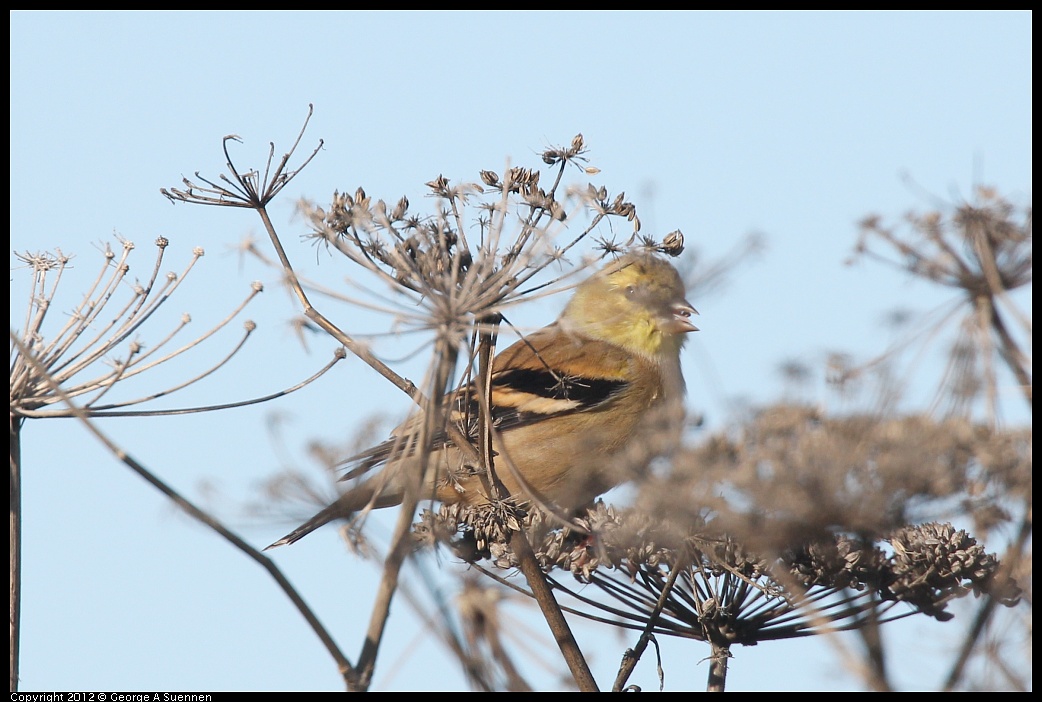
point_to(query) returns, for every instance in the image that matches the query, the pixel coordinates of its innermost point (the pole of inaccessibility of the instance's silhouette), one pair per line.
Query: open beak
(680, 318)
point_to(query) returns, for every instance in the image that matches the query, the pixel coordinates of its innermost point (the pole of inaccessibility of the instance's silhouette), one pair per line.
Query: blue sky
(792, 125)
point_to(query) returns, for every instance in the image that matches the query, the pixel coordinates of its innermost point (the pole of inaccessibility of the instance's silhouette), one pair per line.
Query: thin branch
(552, 612)
(15, 545)
(632, 655)
(1015, 553)
(718, 667)
(401, 542)
(343, 665)
(104, 411)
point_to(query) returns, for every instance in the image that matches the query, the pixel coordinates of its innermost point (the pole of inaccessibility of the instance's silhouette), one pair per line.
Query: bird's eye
(631, 290)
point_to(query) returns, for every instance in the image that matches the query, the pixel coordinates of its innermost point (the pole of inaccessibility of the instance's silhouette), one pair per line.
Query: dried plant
(72, 368)
(453, 287)
(790, 525)
(982, 251)
(789, 474)
(102, 330)
(685, 576)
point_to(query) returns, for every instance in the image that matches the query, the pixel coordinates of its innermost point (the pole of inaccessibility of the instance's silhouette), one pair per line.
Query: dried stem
(345, 667)
(401, 541)
(544, 597)
(359, 350)
(718, 667)
(1015, 553)
(981, 250)
(338, 355)
(71, 353)
(15, 544)
(630, 658)
(45, 369)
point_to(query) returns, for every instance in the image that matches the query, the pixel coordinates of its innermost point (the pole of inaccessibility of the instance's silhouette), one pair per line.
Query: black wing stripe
(513, 389)
(586, 392)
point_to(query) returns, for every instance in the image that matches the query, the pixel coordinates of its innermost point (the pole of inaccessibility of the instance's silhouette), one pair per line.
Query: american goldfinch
(565, 400)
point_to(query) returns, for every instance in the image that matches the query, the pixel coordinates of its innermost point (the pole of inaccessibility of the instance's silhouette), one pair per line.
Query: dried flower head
(697, 583)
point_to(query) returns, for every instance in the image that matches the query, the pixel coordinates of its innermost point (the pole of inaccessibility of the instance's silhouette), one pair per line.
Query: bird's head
(636, 302)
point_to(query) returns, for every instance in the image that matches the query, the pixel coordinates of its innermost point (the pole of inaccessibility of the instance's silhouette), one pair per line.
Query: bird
(565, 401)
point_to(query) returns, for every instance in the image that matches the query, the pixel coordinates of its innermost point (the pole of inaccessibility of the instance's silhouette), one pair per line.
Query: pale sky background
(719, 124)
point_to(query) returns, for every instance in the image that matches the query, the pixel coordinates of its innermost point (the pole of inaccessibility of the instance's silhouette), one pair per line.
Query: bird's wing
(536, 379)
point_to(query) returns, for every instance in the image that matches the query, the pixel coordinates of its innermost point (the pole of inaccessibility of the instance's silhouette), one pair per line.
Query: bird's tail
(322, 518)
(346, 505)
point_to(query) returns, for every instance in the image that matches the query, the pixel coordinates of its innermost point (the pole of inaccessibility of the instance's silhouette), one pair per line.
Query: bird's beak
(680, 318)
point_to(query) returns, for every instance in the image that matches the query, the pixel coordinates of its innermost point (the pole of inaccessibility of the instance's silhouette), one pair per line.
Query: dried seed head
(439, 186)
(400, 209)
(673, 243)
